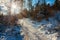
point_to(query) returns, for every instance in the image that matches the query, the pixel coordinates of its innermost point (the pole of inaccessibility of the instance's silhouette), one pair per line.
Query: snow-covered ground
(44, 30)
(32, 30)
(10, 33)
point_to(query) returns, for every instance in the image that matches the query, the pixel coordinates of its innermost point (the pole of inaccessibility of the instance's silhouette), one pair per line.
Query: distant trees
(40, 11)
(1, 18)
(30, 4)
(57, 4)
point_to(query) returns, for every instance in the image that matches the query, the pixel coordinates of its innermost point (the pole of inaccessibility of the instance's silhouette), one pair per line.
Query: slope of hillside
(44, 30)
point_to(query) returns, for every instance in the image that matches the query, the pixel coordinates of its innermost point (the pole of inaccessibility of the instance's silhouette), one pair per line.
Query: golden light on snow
(4, 1)
(15, 9)
(9, 5)
(14, 6)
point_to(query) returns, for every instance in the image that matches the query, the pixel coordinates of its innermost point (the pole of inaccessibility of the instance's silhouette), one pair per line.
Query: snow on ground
(8, 33)
(43, 30)
(31, 30)
(34, 30)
